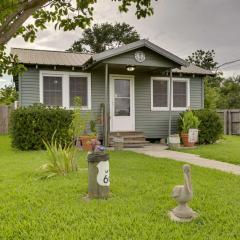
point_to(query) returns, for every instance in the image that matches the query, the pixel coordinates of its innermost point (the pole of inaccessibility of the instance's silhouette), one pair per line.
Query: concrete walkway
(157, 150)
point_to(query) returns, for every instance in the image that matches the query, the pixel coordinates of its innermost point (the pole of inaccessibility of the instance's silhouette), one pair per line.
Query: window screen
(160, 93)
(179, 94)
(52, 91)
(78, 88)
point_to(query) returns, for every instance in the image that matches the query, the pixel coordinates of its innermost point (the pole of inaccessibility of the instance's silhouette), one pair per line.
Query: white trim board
(187, 80)
(65, 86)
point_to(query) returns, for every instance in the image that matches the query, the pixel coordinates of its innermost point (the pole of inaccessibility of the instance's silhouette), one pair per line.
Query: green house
(137, 90)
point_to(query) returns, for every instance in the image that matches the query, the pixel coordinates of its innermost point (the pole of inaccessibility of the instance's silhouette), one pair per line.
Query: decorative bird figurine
(183, 194)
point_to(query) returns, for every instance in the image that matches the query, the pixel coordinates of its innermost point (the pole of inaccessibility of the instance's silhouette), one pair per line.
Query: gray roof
(135, 45)
(61, 58)
(45, 57)
(193, 69)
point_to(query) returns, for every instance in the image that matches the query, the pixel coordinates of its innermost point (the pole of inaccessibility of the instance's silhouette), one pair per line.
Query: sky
(179, 26)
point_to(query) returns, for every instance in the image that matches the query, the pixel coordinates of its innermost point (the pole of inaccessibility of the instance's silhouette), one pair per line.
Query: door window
(122, 97)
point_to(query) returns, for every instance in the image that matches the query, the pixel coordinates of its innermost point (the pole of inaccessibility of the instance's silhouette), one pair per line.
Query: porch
(126, 79)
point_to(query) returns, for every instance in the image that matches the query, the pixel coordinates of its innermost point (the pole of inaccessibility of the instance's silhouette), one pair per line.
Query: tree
(65, 14)
(8, 95)
(203, 59)
(211, 94)
(230, 93)
(105, 36)
(206, 60)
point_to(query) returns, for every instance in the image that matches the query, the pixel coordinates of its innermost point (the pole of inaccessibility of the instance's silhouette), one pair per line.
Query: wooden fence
(231, 120)
(5, 112)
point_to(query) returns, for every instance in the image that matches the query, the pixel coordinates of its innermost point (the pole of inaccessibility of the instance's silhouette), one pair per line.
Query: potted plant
(82, 130)
(188, 121)
(88, 136)
(78, 124)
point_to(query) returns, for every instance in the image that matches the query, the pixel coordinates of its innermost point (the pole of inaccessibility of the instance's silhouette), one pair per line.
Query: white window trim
(187, 80)
(65, 86)
(168, 92)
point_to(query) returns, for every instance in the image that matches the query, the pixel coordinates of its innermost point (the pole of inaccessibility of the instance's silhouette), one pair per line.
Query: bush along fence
(5, 113)
(231, 121)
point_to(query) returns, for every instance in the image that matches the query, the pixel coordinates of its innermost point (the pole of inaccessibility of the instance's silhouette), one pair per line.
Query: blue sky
(180, 26)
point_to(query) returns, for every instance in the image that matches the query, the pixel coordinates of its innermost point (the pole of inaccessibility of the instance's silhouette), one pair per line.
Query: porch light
(130, 68)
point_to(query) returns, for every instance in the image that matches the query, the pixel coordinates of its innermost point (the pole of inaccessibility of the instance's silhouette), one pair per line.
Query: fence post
(229, 122)
(225, 122)
(3, 119)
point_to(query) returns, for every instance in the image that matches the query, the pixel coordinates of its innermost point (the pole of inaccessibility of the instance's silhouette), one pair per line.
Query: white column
(106, 107)
(170, 105)
(65, 91)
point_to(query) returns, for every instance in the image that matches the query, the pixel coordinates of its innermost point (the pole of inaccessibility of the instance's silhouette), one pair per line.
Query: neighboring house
(142, 86)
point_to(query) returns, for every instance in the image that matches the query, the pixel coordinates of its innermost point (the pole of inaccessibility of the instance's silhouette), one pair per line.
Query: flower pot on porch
(86, 142)
(185, 140)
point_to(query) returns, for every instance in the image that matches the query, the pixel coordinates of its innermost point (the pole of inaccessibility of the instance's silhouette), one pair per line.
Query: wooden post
(4, 119)
(203, 97)
(225, 113)
(229, 122)
(170, 105)
(106, 107)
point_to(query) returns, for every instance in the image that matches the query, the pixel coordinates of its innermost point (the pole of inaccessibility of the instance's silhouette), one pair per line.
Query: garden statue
(183, 194)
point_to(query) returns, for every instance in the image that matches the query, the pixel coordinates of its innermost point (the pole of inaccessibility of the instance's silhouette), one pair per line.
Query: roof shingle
(31, 56)
(61, 58)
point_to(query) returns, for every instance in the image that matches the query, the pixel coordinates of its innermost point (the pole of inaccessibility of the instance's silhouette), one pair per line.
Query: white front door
(122, 106)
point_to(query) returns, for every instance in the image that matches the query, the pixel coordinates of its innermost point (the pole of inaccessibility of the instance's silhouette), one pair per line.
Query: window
(60, 88)
(52, 91)
(122, 97)
(160, 89)
(78, 88)
(160, 94)
(179, 94)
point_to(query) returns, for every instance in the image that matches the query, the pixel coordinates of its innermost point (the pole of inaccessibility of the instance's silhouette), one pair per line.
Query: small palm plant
(62, 159)
(188, 121)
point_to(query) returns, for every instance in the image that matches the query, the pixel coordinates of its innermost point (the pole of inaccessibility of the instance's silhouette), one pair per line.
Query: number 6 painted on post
(103, 173)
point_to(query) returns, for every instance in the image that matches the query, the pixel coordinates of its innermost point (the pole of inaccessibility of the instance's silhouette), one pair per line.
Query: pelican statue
(183, 194)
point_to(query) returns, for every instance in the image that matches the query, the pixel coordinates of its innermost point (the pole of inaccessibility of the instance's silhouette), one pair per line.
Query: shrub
(62, 159)
(210, 127)
(29, 125)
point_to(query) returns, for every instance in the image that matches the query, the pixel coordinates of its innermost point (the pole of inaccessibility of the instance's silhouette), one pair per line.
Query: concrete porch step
(134, 139)
(127, 133)
(129, 137)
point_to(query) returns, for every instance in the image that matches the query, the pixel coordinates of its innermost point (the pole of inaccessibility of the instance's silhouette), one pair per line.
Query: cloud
(178, 26)
(5, 80)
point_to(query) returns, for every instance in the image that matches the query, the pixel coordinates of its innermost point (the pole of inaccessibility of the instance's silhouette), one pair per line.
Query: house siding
(152, 59)
(29, 87)
(154, 124)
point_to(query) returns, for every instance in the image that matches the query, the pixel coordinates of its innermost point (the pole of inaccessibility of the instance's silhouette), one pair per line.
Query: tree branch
(15, 21)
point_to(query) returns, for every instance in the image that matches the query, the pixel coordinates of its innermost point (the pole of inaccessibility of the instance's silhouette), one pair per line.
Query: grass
(140, 199)
(226, 150)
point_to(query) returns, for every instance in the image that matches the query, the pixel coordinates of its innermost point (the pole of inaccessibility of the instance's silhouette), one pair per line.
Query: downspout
(106, 108)
(170, 106)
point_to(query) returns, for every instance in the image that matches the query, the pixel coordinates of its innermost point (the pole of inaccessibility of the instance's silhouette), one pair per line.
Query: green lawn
(140, 199)
(226, 150)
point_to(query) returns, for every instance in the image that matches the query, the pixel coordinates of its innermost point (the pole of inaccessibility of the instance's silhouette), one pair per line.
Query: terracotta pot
(186, 143)
(86, 142)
